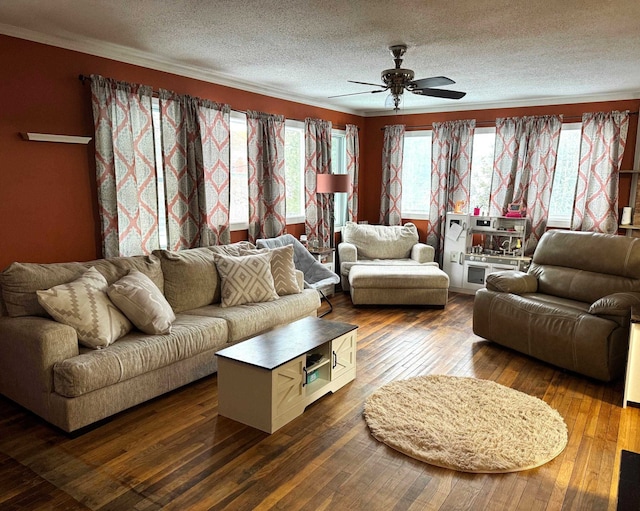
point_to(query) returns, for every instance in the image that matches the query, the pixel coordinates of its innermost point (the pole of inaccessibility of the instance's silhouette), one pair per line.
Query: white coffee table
(267, 381)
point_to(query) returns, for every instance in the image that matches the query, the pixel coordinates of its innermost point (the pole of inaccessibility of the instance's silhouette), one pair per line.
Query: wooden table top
(283, 344)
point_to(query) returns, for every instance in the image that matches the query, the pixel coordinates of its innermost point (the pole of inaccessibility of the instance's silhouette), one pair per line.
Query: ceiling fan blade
(440, 93)
(367, 83)
(355, 93)
(434, 81)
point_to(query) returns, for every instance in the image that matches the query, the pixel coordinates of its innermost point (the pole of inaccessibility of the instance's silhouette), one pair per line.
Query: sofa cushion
(586, 266)
(20, 281)
(190, 275)
(84, 305)
(136, 354)
(190, 278)
(381, 241)
(345, 268)
(142, 302)
(245, 321)
(557, 330)
(246, 279)
(233, 249)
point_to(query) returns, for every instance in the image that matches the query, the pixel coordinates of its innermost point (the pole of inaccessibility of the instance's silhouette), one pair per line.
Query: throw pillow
(246, 279)
(283, 271)
(142, 302)
(84, 305)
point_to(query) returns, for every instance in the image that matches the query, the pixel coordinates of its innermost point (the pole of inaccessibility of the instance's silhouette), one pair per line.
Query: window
(566, 176)
(416, 175)
(294, 170)
(162, 207)
(484, 140)
(339, 166)
(564, 183)
(239, 205)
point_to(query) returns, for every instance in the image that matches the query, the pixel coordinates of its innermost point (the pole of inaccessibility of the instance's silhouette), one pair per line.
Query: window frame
(297, 125)
(485, 130)
(340, 205)
(419, 215)
(559, 221)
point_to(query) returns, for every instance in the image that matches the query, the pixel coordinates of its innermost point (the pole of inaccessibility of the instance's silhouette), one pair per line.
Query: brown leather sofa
(573, 306)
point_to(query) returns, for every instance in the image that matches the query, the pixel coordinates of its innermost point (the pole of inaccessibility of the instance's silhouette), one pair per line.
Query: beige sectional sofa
(45, 369)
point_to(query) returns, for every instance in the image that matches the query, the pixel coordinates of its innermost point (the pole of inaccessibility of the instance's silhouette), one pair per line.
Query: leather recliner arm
(508, 281)
(616, 306)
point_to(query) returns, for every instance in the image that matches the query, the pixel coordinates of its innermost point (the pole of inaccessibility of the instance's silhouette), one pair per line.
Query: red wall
(374, 133)
(48, 204)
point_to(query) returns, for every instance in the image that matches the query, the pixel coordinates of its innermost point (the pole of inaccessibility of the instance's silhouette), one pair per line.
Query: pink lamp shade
(332, 183)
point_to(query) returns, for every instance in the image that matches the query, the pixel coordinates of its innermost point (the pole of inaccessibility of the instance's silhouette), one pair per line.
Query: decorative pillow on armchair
(84, 305)
(246, 279)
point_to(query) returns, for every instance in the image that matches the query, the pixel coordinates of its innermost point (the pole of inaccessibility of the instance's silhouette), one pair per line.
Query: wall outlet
(454, 257)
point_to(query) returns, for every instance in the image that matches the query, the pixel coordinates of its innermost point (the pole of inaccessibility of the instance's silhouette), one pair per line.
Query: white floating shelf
(65, 139)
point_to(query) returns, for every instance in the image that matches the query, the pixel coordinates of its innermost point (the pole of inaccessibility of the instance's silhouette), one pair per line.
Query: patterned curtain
(267, 192)
(125, 167)
(595, 206)
(523, 168)
(353, 168)
(451, 148)
(195, 151)
(318, 207)
(391, 194)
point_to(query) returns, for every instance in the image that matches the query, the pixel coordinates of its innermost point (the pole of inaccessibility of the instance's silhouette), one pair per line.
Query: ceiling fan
(397, 80)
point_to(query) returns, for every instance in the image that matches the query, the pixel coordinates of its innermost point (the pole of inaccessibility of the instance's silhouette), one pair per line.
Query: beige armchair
(381, 245)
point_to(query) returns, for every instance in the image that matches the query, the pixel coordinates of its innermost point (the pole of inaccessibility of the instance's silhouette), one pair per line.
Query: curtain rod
(486, 124)
(85, 78)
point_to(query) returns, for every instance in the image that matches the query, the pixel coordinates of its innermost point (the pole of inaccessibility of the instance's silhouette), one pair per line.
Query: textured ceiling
(501, 52)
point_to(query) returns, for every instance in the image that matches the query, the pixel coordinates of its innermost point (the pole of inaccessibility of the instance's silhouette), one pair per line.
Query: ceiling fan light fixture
(398, 79)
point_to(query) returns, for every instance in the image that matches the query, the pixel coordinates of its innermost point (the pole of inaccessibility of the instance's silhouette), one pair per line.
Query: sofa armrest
(616, 305)
(347, 252)
(422, 253)
(29, 348)
(300, 279)
(510, 281)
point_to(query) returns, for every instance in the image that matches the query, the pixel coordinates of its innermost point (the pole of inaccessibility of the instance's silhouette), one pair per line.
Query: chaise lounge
(387, 265)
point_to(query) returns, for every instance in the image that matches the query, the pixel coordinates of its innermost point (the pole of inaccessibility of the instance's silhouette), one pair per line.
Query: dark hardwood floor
(175, 452)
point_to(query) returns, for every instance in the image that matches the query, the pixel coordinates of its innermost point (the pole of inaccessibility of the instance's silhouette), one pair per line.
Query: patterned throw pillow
(284, 271)
(142, 302)
(246, 279)
(84, 305)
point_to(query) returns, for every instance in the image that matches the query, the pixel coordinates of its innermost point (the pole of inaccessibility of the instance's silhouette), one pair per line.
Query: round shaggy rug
(465, 424)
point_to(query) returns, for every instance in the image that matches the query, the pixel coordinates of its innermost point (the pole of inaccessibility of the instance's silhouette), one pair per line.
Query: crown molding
(148, 60)
(527, 102)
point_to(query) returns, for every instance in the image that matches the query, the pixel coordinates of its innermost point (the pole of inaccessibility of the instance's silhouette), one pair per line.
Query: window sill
(558, 223)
